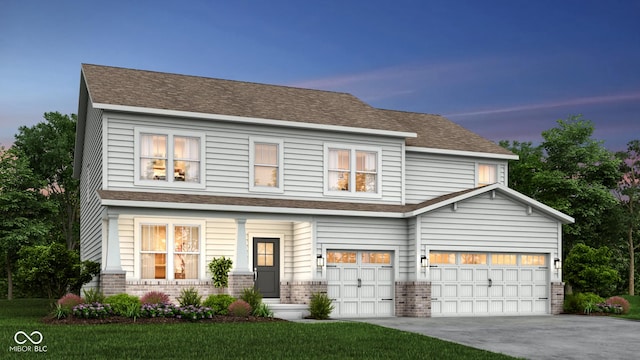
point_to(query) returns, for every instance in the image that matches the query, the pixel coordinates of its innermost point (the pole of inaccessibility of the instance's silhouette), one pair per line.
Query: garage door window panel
(473, 259)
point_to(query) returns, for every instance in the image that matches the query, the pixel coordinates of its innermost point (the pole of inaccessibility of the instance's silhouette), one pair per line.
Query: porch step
(289, 311)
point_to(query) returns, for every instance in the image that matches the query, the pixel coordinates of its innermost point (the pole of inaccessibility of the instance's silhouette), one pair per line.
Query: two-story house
(391, 213)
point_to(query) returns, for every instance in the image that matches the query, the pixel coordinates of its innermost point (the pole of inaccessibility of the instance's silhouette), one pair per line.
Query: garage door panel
(385, 291)
(362, 285)
(510, 285)
(466, 290)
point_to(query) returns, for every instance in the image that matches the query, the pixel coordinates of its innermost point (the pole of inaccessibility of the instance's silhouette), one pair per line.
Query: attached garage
(479, 284)
(360, 283)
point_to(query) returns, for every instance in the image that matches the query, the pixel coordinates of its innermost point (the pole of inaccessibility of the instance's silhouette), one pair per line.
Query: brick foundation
(112, 282)
(413, 299)
(171, 287)
(239, 282)
(557, 297)
(299, 292)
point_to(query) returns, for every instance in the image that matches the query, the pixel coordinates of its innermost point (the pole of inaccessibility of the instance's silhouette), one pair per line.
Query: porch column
(242, 252)
(113, 245)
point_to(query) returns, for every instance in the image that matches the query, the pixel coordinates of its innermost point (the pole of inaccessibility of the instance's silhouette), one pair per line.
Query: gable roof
(157, 90)
(120, 88)
(310, 207)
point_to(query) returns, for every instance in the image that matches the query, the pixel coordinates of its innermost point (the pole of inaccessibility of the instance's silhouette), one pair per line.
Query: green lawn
(634, 313)
(277, 340)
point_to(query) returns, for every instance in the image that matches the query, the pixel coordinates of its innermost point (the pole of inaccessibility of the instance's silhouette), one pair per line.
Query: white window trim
(478, 164)
(170, 223)
(352, 176)
(170, 183)
(252, 155)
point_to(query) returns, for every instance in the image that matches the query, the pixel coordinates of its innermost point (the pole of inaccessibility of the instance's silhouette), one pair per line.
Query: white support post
(242, 252)
(113, 245)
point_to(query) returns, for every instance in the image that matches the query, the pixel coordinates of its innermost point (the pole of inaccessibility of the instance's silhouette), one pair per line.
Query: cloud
(593, 100)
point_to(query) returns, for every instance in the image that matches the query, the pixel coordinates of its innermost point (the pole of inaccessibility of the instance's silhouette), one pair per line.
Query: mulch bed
(71, 320)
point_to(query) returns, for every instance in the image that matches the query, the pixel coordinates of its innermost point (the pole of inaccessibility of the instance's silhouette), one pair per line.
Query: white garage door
(360, 283)
(477, 284)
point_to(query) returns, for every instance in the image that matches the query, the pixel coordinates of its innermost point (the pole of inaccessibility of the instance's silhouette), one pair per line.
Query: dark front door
(266, 264)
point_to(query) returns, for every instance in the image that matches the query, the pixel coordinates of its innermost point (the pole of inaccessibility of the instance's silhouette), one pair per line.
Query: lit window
(533, 260)
(352, 171)
(503, 259)
(475, 259)
(338, 257)
(169, 158)
(376, 258)
(442, 258)
(487, 174)
(169, 251)
(266, 161)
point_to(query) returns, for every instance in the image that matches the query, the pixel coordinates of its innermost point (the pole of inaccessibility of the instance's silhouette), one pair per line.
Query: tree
(570, 172)
(588, 270)
(54, 268)
(22, 210)
(49, 149)
(628, 194)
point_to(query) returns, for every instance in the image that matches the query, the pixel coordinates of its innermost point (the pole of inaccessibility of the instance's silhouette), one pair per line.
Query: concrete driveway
(532, 337)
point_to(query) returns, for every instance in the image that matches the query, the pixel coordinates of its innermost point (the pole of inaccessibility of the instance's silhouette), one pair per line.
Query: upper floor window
(169, 158)
(265, 168)
(352, 170)
(487, 174)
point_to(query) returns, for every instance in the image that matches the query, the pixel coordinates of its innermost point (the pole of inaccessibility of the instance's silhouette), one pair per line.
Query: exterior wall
(227, 157)
(431, 175)
(485, 224)
(367, 234)
(413, 299)
(90, 181)
(299, 261)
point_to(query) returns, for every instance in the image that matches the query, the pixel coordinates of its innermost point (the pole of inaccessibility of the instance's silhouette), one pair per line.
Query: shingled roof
(156, 90)
(435, 131)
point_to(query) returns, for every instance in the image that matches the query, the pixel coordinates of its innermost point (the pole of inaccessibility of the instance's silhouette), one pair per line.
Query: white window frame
(170, 182)
(478, 165)
(253, 140)
(352, 171)
(170, 224)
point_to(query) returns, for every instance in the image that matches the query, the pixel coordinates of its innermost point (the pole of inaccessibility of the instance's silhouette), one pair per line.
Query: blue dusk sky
(504, 69)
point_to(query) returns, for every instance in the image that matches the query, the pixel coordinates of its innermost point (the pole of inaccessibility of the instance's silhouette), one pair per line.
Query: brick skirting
(413, 299)
(299, 292)
(557, 297)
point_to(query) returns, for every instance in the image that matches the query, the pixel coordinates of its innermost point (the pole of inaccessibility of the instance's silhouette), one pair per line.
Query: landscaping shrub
(240, 308)
(155, 297)
(69, 301)
(194, 312)
(581, 302)
(620, 301)
(219, 303)
(124, 305)
(252, 296)
(189, 296)
(92, 311)
(589, 270)
(263, 310)
(219, 269)
(93, 295)
(320, 306)
(152, 310)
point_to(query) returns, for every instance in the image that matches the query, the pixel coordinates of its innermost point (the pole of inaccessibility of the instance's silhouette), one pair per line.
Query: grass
(634, 312)
(276, 340)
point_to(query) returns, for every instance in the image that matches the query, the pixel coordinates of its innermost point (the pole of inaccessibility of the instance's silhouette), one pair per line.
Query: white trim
(105, 152)
(170, 134)
(248, 209)
(461, 153)
(170, 223)
(352, 171)
(252, 120)
(566, 219)
(265, 140)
